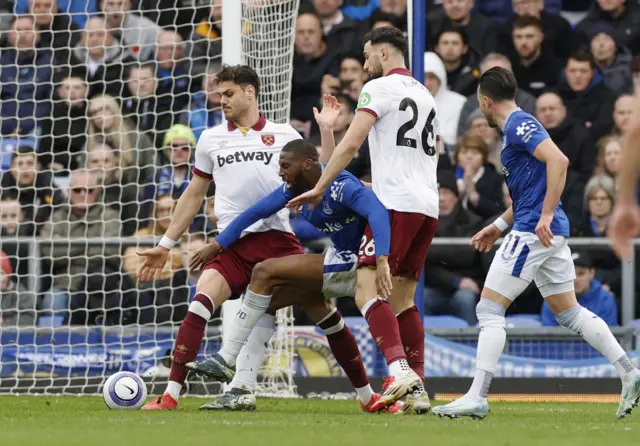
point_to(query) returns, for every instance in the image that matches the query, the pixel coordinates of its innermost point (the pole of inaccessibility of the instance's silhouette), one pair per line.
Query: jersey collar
(504, 123)
(257, 126)
(402, 71)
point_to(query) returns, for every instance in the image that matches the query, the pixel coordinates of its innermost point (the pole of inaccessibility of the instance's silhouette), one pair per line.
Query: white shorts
(339, 273)
(523, 258)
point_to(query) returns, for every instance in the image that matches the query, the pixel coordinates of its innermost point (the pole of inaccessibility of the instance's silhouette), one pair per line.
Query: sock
(252, 353)
(188, 340)
(253, 306)
(383, 326)
(344, 348)
(365, 394)
(412, 335)
(597, 333)
(174, 389)
(490, 345)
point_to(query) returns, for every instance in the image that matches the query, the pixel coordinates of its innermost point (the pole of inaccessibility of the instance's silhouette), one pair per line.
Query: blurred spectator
(78, 10)
(479, 127)
(206, 38)
(26, 74)
(179, 14)
(366, 10)
(119, 191)
(459, 60)
(17, 306)
(479, 184)
(64, 132)
(12, 226)
(33, 188)
(339, 31)
(589, 291)
(57, 32)
(311, 61)
(449, 103)
(635, 69)
(136, 34)
(178, 78)
(586, 97)
(623, 15)
(524, 100)
(351, 78)
(106, 125)
(559, 38)
(71, 265)
(575, 142)
(99, 58)
(612, 59)
(160, 297)
(610, 156)
(536, 67)
(622, 111)
(481, 31)
(189, 245)
(6, 15)
(205, 109)
(453, 275)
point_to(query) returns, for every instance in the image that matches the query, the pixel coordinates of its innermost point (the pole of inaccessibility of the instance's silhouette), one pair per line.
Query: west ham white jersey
(245, 169)
(402, 143)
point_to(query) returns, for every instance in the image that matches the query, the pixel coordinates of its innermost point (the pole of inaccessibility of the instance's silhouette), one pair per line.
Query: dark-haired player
(241, 155)
(536, 249)
(399, 115)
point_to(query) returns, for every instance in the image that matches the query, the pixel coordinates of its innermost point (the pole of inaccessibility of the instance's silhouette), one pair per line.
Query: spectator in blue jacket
(205, 111)
(26, 75)
(78, 10)
(590, 292)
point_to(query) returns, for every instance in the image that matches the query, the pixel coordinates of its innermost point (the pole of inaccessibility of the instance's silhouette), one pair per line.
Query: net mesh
(100, 114)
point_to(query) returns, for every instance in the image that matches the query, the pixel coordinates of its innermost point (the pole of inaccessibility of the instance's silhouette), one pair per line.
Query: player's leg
(302, 273)
(212, 290)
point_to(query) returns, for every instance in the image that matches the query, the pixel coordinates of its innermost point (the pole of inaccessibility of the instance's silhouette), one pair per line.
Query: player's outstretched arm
(186, 209)
(557, 164)
(625, 221)
(342, 156)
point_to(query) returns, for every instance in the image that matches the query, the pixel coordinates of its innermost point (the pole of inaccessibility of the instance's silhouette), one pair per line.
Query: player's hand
(469, 284)
(383, 277)
(483, 241)
(313, 197)
(205, 255)
(154, 261)
(623, 227)
(330, 112)
(543, 230)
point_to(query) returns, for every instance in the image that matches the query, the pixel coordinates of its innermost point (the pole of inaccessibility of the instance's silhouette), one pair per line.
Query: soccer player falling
(399, 115)
(341, 215)
(536, 249)
(242, 157)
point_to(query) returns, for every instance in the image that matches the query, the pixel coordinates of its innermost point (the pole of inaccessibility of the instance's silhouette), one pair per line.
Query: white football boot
(629, 398)
(463, 407)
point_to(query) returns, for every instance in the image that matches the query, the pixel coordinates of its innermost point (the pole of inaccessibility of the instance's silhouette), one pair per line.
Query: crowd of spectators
(102, 103)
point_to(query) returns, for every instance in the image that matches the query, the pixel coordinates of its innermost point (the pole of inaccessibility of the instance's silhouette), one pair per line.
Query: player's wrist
(167, 243)
(382, 258)
(501, 224)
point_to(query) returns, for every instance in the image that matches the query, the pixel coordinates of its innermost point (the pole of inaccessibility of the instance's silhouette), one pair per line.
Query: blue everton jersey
(342, 214)
(526, 176)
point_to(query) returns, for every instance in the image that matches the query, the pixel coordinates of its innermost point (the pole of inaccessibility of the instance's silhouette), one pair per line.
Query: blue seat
(444, 322)
(50, 321)
(523, 321)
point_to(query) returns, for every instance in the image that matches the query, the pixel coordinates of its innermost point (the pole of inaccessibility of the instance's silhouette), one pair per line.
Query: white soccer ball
(124, 391)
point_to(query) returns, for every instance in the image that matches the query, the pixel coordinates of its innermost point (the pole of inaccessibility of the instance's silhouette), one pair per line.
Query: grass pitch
(86, 421)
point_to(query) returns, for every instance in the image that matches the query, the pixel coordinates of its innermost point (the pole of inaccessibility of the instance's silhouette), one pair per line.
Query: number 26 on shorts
(367, 247)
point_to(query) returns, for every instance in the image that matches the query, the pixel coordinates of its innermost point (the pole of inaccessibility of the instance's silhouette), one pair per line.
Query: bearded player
(536, 249)
(399, 115)
(241, 156)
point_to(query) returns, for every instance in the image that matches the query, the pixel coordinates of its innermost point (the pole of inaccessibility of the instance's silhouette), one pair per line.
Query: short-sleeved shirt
(245, 169)
(402, 142)
(526, 176)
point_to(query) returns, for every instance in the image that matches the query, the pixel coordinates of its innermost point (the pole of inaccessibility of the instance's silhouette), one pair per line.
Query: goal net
(100, 114)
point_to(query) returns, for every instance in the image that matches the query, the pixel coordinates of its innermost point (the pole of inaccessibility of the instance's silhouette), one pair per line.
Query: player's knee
(262, 276)
(573, 318)
(490, 314)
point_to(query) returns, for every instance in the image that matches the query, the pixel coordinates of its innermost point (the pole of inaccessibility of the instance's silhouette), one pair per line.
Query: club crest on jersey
(268, 139)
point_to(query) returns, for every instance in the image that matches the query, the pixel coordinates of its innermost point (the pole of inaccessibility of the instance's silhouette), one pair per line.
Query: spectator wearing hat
(586, 97)
(17, 306)
(535, 67)
(453, 274)
(448, 103)
(623, 15)
(612, 59)
(459, 59)
(590, 292)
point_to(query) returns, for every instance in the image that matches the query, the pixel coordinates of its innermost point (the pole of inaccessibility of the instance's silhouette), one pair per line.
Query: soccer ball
(124, 391)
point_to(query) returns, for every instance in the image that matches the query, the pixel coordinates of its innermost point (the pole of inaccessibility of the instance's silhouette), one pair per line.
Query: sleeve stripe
(369, 112)
(201, 174)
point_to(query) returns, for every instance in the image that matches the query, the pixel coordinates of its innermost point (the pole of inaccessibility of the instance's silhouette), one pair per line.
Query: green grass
(86, 421)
